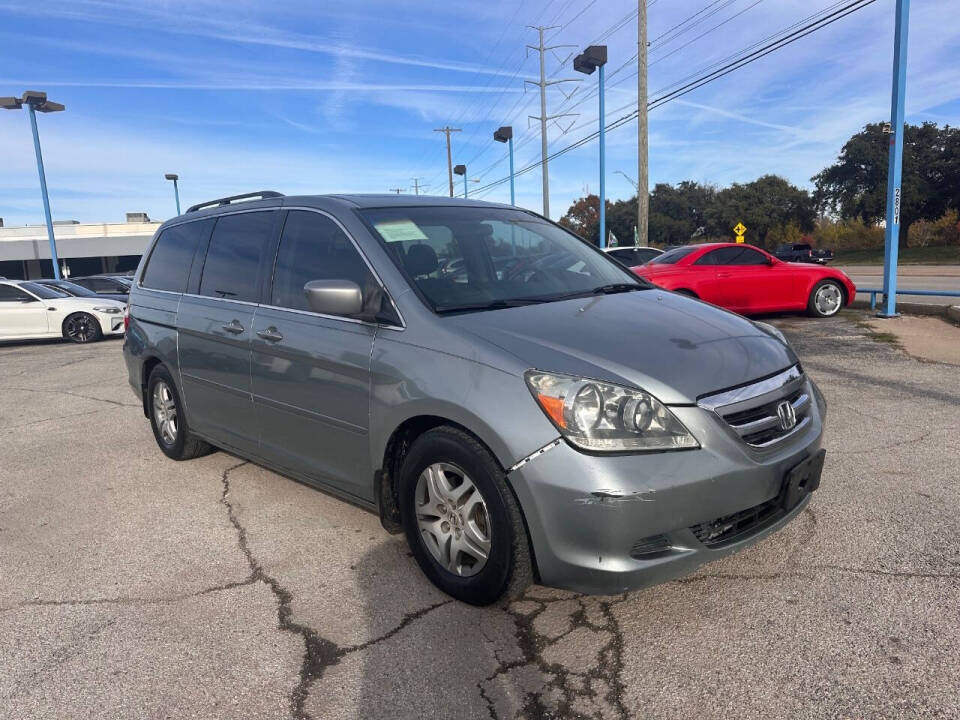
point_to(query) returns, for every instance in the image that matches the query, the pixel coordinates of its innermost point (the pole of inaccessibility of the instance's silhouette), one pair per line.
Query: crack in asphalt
(609, 668)
(131, 600)
(71, 394)
(319, 653)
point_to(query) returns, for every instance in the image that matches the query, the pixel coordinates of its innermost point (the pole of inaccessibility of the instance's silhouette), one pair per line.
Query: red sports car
(749, 280)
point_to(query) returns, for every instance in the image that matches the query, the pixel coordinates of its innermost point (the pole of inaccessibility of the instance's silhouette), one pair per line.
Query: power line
(802, 32)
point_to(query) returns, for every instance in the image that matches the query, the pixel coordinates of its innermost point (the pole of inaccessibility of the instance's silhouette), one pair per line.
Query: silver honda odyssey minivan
(518, 404)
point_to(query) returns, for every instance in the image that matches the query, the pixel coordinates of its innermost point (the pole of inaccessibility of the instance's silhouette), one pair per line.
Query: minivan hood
(675, 347)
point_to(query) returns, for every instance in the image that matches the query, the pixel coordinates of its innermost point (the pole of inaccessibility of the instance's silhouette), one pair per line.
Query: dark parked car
(561, 420)
(105, 284)
(71, 288)
(803, 252)
(633, 256)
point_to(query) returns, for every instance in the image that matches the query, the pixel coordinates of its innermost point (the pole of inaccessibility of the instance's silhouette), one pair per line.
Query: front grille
(740, 525)
(752, 411)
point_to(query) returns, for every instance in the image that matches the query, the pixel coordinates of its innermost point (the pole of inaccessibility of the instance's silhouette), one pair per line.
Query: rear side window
(169, 263)
(236, 250)
(313, 247)
(671, 257)
(8, 293)
(739, 256)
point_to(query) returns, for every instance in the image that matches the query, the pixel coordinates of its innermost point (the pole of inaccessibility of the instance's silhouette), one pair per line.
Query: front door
(21, 314)
(216, 325)
(310, 372)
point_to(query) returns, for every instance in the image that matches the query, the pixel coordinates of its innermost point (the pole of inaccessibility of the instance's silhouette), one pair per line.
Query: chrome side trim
(748, 392)
(535, 454)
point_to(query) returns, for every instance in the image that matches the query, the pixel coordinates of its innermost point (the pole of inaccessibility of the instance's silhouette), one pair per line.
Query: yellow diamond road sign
(739, 228)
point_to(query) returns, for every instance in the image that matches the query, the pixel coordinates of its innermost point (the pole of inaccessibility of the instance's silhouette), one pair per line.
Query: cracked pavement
(134, 586)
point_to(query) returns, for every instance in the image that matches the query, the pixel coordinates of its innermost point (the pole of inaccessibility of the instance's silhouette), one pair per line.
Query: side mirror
(334, 297)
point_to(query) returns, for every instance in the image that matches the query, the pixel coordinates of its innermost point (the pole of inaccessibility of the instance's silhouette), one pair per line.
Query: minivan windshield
(484, 258)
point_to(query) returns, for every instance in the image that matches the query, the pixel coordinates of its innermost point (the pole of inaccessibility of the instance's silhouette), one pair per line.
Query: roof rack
(260, 195)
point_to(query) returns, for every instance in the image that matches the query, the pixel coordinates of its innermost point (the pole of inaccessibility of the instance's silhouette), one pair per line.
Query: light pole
(505, 134)
(37, 102)
(594, 57)
(176, 191)
(895, 163)
(462, 170)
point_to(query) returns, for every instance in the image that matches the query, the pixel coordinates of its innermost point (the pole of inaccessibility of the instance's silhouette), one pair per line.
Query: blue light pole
(462, 170)
(592, 58)
(505, 134)
(895, 165)
(37, 102)
(176, 191)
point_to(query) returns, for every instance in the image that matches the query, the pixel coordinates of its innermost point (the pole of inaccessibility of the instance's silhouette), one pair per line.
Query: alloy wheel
(165, 412)
(828, 299)
(453, 519)
(80, 328)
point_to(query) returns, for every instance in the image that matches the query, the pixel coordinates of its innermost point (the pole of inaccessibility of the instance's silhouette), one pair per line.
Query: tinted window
(738, 256)
(9, 293)
(72, 289)
(672, 256)
(42, 291)
(169, 263)
(313, 247)
(625, 256)
(233, 259)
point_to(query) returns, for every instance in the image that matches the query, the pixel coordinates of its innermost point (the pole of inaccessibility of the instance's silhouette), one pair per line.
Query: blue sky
(314, 97)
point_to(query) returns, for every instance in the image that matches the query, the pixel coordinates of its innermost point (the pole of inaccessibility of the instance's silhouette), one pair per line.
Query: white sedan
(30, 310)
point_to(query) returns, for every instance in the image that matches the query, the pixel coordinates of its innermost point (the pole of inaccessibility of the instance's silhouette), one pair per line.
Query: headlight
(110, 310)
(772, 331)
(602, 417)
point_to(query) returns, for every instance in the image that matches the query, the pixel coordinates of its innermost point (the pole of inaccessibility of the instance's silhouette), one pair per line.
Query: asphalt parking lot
(134, 586)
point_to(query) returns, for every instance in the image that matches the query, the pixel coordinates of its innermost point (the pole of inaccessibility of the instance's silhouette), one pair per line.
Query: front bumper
(589, 516)
(110, 324)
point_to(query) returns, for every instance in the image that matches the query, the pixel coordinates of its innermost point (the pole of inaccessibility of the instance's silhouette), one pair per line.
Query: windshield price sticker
(400, 231)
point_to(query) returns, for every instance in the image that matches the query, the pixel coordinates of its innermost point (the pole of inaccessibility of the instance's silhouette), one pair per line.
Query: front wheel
(81, 327)
(826, 299)
(462, 522)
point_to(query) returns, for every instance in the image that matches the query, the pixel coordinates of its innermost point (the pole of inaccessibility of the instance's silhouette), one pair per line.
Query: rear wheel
(81, 327)
(462, 522)
(167, 419)
(826, 299)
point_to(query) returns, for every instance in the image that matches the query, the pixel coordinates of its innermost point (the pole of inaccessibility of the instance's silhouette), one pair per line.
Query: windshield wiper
(617, 288)
(492, 305)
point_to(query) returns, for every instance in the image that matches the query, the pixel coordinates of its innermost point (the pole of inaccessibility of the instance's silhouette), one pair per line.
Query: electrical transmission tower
(543, 84)
(446, 131)
(416, 186)
(397, 190)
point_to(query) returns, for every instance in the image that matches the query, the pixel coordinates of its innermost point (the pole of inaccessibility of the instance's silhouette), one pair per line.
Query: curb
(949, 312)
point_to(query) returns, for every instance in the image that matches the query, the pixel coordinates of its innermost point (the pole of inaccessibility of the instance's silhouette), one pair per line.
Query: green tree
(767, 203)
(855, 186)
(678, 214)
(583, 218)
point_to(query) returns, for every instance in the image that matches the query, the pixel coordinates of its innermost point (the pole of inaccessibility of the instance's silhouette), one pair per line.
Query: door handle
(723, 275)
(233, 327)
(271, 334)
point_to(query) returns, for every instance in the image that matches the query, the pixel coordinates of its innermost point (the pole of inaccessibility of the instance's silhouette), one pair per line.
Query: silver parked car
(538, 414)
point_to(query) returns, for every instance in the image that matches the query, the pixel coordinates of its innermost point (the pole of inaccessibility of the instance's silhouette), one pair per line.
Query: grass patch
(940, 255)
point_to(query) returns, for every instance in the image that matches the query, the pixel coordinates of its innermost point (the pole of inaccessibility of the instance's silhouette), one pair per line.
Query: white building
(83, 248)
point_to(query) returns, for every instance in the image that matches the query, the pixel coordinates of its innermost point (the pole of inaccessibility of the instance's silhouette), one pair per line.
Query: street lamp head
(34, 97)
(171, 176)
(49, 106)
(590, 59)
(11, 103)
(459, 169)
(503, 134)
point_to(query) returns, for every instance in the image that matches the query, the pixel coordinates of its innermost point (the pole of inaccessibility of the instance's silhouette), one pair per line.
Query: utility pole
(446, 131)
(397, 190)
(643, 196)
(895, 166)
(543, 84)
(416, 186)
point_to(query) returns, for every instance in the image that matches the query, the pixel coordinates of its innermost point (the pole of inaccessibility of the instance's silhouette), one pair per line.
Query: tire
(81, 327)
(163, 405)
(462, 460)
(826, 299)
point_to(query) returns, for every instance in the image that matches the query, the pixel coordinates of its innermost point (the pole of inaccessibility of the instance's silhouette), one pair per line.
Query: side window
(169, 263)
(236, 250)
(8, 293)
(711, 258)
(313, 247)
(739, 256)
